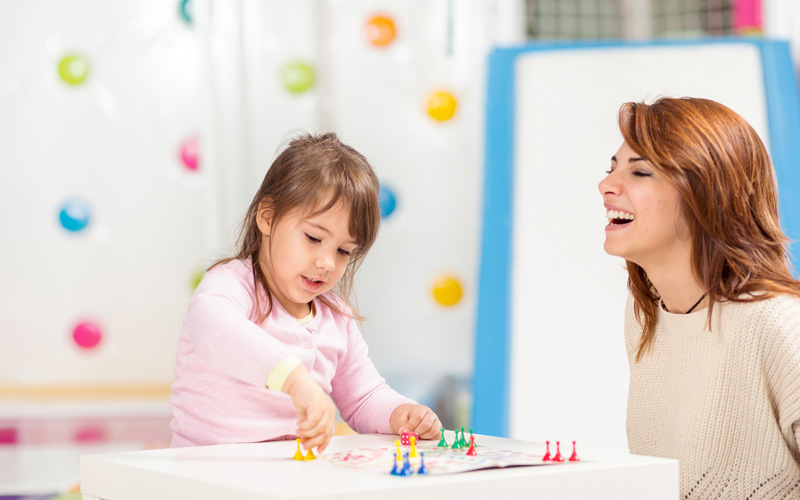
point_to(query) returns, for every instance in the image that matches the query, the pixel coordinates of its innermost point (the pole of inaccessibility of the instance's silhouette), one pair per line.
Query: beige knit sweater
(724, 402)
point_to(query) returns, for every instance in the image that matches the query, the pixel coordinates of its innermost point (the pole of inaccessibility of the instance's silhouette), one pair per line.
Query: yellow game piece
(309, 455)
(298, 454)
(399, 453)
(413, 447)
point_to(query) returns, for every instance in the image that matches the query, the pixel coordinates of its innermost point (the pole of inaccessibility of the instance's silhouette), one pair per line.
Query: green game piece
(463, 442)
(456, 442)
(470, 435)
(442, 442)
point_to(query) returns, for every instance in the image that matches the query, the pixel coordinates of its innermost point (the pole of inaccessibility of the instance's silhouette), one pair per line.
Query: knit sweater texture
(724, 401)
(219, 395)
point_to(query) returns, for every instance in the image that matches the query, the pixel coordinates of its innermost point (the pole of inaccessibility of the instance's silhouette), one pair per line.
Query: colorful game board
(437, 460)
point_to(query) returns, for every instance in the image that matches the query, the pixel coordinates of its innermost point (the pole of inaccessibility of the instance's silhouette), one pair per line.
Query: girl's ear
(264, 216)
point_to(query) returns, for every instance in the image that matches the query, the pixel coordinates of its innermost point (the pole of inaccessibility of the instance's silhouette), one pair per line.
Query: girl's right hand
(315, 410)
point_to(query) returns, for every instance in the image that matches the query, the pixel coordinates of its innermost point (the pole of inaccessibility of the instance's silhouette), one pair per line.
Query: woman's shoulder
(777, 317)
(779, 305)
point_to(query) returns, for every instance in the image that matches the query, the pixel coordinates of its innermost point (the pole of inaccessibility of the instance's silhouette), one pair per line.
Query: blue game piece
(422, 469)
(406, 466)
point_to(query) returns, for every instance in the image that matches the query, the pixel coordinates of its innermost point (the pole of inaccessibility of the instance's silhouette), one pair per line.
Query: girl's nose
(325, 260)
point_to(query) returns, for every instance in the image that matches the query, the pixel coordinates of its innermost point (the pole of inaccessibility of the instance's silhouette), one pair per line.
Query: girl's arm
(362, 396)
(219, 328)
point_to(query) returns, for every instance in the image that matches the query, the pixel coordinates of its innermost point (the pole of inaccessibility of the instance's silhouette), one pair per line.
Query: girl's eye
(312, 239)
(344, 252)
(609, 171)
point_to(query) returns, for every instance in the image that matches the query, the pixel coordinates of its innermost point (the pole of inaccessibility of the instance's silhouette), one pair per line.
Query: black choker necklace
(664, 306)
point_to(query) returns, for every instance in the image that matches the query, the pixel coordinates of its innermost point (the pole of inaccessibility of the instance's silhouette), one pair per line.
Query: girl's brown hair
(313, 174)
(728, 192)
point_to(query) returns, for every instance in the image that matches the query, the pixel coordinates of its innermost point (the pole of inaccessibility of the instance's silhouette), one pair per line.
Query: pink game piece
(558, 457)
(405, 438)
(574, 456)
(472, 451)
(546, 457)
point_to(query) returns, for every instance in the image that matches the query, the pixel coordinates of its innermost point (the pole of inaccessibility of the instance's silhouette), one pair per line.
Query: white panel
(569, 372)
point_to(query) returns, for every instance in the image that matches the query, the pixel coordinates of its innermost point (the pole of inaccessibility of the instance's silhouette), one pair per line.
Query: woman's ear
(264, 216)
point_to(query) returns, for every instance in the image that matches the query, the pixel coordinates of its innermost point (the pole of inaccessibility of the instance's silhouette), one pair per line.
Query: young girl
(713, 320)
(268, 335)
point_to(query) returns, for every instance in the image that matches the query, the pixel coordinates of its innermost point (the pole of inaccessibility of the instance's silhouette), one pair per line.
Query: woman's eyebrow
(630, 160)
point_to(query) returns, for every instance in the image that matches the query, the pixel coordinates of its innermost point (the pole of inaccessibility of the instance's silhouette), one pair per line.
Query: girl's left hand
(415, 418)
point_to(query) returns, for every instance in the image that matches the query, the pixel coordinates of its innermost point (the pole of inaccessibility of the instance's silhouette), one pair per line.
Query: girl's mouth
(313, 282)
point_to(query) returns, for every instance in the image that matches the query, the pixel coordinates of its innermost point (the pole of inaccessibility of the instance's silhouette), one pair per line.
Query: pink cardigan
(224, 358)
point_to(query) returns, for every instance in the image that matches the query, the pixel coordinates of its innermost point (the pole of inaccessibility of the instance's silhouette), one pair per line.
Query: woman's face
(646, 225)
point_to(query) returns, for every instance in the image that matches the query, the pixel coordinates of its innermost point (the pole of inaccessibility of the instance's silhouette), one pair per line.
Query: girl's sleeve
(219, 329)
(362, 396)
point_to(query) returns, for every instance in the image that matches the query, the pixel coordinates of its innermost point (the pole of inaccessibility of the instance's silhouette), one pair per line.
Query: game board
(438, 460)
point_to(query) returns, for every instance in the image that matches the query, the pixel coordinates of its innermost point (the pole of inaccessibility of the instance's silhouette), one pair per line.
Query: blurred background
(134, 134)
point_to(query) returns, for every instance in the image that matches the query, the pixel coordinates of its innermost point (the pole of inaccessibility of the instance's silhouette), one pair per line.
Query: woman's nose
(608, 185)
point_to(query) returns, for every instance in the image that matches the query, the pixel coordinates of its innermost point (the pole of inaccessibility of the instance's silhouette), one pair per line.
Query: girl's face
(646, 225)
(307, 255)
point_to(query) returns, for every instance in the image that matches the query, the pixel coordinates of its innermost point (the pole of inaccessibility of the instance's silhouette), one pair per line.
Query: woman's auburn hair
(313, 174)
(728, 193)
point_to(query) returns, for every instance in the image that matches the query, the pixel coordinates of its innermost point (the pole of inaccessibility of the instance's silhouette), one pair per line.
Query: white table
(266, 471)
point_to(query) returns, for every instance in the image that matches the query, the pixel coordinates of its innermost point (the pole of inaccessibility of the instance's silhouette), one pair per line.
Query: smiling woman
(712, 325)
(645, 223)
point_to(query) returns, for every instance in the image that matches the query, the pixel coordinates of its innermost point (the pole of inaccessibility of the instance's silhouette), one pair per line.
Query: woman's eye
(609, 171)
(640, 173)
(312, 239)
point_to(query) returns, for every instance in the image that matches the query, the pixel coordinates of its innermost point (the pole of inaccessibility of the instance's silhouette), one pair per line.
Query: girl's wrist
(294, 377)
(276, 380)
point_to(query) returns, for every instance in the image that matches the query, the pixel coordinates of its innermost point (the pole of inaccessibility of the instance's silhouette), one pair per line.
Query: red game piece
(546, 457)
(405, 438)
(558, 457)
(574, 456)
(471, 451)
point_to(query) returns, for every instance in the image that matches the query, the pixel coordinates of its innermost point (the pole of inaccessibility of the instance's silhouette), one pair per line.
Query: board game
(433, 458)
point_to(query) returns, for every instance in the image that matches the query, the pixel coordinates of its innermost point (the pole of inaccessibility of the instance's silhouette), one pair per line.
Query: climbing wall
(139, 132)
(104, 198)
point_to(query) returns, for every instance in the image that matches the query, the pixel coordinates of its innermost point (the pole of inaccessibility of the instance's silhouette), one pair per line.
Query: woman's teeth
(616, 217)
